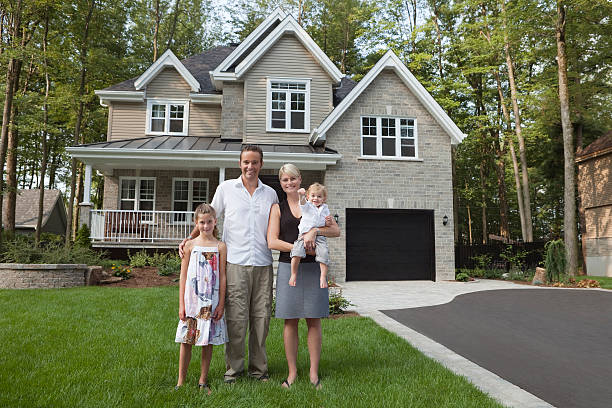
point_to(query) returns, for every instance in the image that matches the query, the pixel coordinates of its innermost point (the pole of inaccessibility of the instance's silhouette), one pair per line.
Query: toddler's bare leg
(295, 264)
(323, 275)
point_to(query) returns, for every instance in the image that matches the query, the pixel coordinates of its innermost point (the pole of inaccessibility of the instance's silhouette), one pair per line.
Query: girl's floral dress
(201, 299)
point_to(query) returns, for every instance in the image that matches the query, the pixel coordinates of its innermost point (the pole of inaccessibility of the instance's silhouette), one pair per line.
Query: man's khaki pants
(248, 303)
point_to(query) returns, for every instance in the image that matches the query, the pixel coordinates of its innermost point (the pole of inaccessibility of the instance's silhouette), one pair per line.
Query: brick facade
(232, 112)
(365, 183)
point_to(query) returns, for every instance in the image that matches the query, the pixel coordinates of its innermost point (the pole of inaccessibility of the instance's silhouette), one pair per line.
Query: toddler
(314, 211)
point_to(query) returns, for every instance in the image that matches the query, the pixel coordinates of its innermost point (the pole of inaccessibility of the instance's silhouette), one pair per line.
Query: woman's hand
(309, 239)
(182, 315)
(218, 313)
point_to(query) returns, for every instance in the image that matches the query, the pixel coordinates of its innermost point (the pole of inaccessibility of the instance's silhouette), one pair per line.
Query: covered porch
(153, 184)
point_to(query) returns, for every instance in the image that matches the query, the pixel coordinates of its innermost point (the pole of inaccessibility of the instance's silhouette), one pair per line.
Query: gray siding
(127, 120)
(359, 183)
(288, 59)
(168, 84)
(204, 120)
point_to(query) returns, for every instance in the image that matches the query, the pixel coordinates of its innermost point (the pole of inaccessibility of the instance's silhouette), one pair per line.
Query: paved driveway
(556, 344)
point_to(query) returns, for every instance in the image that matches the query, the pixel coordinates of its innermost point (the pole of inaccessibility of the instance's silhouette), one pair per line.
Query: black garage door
(389, 244)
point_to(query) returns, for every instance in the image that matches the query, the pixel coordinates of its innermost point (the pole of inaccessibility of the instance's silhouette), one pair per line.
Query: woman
(307, 299)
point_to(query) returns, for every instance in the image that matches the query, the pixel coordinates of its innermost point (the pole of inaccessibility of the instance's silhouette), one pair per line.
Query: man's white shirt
(312, 216)
(245, 221)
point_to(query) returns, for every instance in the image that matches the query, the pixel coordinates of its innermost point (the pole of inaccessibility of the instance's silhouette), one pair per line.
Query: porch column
(85, 210)
(221, 174)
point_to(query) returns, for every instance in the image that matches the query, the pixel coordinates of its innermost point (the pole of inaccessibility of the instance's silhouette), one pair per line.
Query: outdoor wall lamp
(336, 218)
(444, 220)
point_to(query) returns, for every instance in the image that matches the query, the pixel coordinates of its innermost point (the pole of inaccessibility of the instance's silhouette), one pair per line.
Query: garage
(389, 244)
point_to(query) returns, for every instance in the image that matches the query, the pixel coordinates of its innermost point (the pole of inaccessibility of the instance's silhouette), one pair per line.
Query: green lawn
(605, 282)
(102, 347)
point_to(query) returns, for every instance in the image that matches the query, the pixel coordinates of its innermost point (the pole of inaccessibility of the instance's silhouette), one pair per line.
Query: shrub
(23, 249)
(555, 260)
(139, 259)
(159, 259)
(82, 237)
(338, 303)
(462, 277)
(515, 259)
(171, 266)
(482, 261)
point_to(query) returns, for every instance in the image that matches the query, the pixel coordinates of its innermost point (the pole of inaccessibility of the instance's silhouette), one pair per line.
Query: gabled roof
(168, 59)
(390, 60)
(26, 207)
(261, 40)
(599, 147)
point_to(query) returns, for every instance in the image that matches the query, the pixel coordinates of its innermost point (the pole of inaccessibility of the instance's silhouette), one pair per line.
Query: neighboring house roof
(193, 152)
(599, 147)
(26, 207)
(390, 60)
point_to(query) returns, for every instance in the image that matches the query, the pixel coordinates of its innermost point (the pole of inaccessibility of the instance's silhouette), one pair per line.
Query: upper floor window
(386, 137)
(288, 105)
(167, 117)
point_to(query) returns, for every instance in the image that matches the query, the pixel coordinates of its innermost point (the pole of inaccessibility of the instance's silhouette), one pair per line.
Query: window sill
(165, 134)
(389, 158)
(287, 131)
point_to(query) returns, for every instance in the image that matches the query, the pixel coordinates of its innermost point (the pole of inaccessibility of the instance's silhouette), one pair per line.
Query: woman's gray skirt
(306, 298)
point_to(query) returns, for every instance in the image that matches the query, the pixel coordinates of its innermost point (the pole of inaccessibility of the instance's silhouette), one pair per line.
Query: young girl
(202, 295)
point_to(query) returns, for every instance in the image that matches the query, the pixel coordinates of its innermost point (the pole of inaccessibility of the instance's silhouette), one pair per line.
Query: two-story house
(382, 147)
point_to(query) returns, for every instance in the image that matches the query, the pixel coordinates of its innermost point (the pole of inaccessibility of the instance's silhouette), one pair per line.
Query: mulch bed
(146, 277)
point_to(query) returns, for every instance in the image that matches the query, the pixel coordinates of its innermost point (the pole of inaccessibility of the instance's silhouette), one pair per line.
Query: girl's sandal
(285, 384)
(205, 387)
(317, 385)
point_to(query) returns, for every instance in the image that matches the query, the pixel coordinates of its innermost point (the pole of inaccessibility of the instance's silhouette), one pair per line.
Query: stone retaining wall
(25, 276)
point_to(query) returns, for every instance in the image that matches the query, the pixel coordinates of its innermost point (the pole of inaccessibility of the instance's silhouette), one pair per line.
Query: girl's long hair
(206, 209)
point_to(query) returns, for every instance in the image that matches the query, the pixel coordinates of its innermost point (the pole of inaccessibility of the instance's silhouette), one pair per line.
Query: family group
(226, 286)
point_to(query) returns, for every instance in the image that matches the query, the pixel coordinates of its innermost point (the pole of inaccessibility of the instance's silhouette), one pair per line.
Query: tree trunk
(174, 20)
(510, 143)
(500, 167)
(11, 170)
(519, 134)
(79, 118)
(569, 197)
(438, 37)
(156, 32)
(484, 203)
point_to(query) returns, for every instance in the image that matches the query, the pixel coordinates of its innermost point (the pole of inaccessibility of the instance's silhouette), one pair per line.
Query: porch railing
(140, 226)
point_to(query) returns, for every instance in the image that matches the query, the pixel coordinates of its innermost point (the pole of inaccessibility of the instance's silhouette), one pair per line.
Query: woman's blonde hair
(205, 208)
(289, 169)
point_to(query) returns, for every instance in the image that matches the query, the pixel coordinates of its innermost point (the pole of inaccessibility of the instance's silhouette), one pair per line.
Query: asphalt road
(556, 344)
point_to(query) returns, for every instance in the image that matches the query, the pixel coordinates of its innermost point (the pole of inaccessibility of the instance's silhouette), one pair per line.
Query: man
(245, 205)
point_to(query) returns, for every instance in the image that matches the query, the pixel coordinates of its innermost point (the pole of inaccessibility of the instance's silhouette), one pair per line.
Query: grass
(605, 282)
(100, 347)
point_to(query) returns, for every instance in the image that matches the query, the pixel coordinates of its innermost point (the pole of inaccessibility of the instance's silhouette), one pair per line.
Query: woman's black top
(289, 231)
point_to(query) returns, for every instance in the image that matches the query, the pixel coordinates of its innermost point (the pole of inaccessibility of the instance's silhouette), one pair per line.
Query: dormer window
(288, 105)
(167, 117)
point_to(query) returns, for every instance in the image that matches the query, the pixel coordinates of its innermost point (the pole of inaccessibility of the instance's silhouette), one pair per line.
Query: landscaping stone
(540, 277)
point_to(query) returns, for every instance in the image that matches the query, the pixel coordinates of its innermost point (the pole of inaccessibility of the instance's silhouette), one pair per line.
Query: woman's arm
(218, 313)
(274, 231)
(183, 279)
(331, 231)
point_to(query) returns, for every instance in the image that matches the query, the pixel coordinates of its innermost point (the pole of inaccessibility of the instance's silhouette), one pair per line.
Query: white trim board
(168, 59)
(390, 60)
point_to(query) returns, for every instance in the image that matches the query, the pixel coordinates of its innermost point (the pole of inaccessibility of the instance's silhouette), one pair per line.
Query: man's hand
(181, 247)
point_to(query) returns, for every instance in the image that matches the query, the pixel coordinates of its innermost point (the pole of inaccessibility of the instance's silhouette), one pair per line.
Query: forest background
(493, 65)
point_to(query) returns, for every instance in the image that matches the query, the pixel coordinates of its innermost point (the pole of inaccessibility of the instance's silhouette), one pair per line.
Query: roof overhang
(390, 60)
(107, 159)
(119, 96)
(168, 59)
(213, 99)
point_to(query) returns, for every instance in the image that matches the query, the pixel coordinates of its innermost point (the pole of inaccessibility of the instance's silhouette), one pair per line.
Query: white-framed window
(187, 194)
(167, 117)
(388, 137)
(137, 194)
(288, 105)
